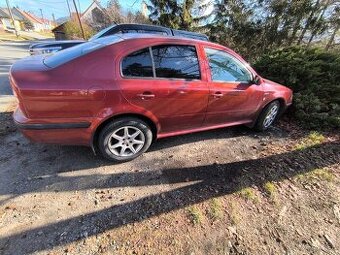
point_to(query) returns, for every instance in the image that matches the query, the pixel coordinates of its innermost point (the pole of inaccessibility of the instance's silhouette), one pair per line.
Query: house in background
(94, 15)
(6, 21)
(20, 17)
(37, 23)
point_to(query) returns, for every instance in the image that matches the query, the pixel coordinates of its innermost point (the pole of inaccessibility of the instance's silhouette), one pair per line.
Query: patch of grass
(215, 209)
(234, 213)
(270, 189)
(195, 215)
(322, 174)
(314, 138)
(249, 194)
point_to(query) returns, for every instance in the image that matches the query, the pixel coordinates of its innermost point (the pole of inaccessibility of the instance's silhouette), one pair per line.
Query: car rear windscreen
(64, 56)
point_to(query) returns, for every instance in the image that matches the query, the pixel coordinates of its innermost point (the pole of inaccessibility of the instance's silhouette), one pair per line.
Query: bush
(314, 76)
(73, 31)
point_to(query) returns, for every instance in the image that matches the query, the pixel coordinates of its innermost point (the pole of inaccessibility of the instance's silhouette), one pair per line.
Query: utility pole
(42, 18)
(79, 6)
(10, 13)
(53, 18)
(69, 9)
(81, 26)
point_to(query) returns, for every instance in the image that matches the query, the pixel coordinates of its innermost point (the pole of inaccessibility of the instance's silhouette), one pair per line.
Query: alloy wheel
(126, 141)
(271, 115)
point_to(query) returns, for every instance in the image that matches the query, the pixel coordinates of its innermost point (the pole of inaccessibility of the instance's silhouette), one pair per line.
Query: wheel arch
(100, 127)
(283, 106)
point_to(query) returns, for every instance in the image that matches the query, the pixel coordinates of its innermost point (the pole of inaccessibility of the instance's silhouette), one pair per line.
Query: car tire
(268, 116)
(124, 139)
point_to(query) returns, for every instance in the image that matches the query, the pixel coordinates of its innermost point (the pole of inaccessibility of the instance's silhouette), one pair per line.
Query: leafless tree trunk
(308, 22)
(319, 19)
(329, 44)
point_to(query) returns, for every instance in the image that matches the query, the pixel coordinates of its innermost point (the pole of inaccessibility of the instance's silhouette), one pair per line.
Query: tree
(28, 25)
(114, 12)
(174, 14)
(319, 24)
(309, 20)
(252, 27)
(165, 13)
(73, 31)
(336, 21)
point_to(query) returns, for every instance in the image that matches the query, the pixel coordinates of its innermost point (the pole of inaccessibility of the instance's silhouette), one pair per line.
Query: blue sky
(59, 7)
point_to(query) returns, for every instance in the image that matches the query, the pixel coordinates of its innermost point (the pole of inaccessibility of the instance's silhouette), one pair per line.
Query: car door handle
(146, 95)
(217, 94)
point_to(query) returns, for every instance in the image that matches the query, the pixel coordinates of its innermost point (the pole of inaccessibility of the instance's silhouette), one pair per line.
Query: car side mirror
(257, 80)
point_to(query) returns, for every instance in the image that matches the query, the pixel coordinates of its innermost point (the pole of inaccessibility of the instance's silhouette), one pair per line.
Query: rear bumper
(50, 131)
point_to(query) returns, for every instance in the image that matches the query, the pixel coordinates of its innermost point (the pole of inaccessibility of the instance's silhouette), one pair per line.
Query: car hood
(275, 84)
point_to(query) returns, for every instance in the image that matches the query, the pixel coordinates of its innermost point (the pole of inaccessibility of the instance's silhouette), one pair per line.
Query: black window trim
(232, 56)
(153, 64)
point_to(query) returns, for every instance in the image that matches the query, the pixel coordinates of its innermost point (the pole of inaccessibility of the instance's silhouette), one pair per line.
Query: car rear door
(233, 97)
(166, 80)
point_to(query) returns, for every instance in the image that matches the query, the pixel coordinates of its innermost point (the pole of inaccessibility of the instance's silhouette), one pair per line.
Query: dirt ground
(227, 191)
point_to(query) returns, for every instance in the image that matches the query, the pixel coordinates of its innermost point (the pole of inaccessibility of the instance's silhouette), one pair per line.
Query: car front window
(226, 68)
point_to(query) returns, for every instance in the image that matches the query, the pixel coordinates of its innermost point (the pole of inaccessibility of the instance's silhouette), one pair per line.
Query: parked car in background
(118, 94)
(48, 47)
(54, 46)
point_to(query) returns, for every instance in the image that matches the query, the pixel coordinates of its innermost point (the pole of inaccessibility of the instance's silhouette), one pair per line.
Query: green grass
(215, 209)
(322, 174)
(234, 213)
(249, 194)
(195, 215)
(314, 138)
(270, 189)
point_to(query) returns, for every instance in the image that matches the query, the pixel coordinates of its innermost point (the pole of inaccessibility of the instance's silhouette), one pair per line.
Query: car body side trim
(53, 125)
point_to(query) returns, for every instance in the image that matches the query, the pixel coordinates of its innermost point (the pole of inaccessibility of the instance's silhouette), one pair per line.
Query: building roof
(59, 28)
(3, 14)
(31, 17)
(17, 12)
(15, 16)
(92, 6)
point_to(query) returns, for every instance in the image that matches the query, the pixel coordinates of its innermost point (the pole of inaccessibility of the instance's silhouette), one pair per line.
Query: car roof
(135, 36)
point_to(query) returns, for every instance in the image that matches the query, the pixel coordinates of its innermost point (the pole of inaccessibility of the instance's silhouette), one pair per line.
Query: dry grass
(248, 194)
(215, 210)
(314, 138)
(321, 174)
(234, 212)
(195, 215)
(270, 189)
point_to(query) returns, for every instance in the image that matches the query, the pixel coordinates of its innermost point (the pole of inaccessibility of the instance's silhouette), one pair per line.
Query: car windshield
(64, 56)
(101, 33)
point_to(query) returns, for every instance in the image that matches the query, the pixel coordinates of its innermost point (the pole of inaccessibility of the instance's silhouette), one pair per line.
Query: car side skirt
(204, 128)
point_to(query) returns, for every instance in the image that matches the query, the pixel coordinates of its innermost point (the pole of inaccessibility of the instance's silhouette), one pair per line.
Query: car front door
(166, 81)
(233, 97)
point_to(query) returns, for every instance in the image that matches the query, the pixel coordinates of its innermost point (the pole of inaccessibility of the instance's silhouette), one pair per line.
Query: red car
(119, 93)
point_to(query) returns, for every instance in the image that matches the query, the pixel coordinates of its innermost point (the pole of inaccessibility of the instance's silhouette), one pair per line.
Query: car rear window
(138, 64)
(64, 56)
(176, 61)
